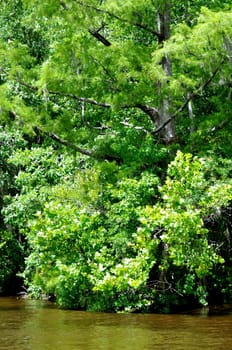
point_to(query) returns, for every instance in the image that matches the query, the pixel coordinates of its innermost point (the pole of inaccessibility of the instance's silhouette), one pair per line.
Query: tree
(111, 245)
(123, 86)
(146, 78)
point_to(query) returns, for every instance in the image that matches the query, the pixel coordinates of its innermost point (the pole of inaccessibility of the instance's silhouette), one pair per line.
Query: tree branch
(69, 144)
(76, 148)
(99, 37)
(112, 15)
(81, 99)
(86, 99)
(190, 98)
(151, 111)
(66, 94)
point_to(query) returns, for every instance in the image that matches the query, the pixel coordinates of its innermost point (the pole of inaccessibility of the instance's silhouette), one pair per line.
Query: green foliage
(9, 142)
(38, 169)
(53, 67)
(84, 244)
(15, 28)
(98, 251)
(191, 192)
(137, 225)
(11, 250)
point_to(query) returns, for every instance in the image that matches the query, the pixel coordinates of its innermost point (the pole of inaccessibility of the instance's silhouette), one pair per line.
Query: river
(36, 325)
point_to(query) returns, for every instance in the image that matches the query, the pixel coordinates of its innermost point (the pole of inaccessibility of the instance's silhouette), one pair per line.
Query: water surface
(35, 325)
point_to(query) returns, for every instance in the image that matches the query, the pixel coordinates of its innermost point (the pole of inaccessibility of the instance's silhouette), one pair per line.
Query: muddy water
(34, 325)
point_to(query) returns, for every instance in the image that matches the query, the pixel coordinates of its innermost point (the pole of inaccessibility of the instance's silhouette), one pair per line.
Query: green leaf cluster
(190, 193)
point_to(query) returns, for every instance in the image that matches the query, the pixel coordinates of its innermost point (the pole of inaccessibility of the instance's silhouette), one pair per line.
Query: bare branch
(63, 142)
(99, 37)
(151, 111)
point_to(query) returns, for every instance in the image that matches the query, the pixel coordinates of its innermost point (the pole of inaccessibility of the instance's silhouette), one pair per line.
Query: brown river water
(36, 325)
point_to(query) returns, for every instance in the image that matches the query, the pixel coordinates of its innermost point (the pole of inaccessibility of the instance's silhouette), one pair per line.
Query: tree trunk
(164, 20)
